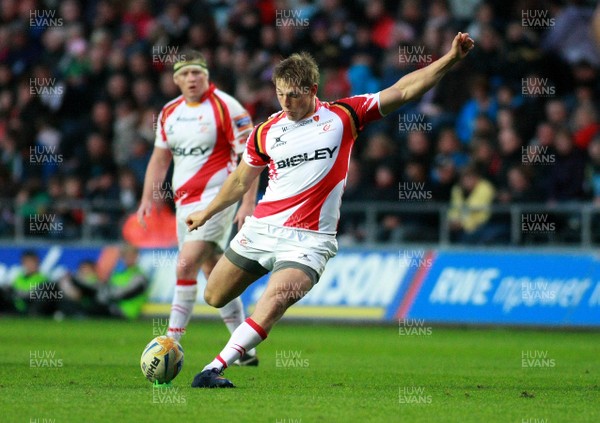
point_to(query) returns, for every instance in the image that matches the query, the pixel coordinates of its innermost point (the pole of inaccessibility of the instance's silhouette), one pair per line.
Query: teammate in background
(306, 147)
(203, 131)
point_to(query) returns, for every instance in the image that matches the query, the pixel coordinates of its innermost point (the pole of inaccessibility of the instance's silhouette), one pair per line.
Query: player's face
(297, 102)
(193, 83)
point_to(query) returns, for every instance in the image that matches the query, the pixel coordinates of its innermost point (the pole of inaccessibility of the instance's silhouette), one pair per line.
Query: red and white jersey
(308, 162)
(205, 139)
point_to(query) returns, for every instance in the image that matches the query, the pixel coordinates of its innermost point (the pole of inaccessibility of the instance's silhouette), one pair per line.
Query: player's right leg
(228, 281)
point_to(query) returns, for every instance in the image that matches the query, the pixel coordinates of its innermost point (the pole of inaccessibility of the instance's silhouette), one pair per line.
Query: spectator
(444, 177)
(484, 17)
(489, 58)
(125, 294)
(469, 208)
(101, 65)
(585, 125)
(481, 102)
(565, 181)
(556, 113)
(544, 135)
(138, 161)
(129, 190)
(386, 189)
(419, 148)
(414, 189)
(80, 290)
(125, 126)
(511, 154)
(571, 36)
(68, 208)
(31, 201)
(351, 226)
(449, 148)
(519, 188)
(31, 292)
(379, 148)
(593, 171)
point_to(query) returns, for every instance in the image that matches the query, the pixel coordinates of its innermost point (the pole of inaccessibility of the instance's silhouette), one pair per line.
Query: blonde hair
(299, 69)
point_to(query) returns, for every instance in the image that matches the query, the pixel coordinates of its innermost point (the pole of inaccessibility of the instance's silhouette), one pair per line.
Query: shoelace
(218, 372)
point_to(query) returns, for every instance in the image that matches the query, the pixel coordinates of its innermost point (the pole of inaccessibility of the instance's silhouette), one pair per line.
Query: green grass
(350, 374)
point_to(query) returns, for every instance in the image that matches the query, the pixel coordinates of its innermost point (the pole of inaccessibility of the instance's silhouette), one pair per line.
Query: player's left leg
(285, 287)
(232, 313)
(191, 255)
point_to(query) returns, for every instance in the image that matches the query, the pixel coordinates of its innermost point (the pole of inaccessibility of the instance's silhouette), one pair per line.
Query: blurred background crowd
(82, 83)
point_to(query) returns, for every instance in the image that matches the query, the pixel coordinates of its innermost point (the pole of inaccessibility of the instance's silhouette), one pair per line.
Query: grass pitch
(88, 371)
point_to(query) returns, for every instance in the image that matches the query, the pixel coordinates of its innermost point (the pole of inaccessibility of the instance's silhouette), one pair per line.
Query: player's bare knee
(214, 298)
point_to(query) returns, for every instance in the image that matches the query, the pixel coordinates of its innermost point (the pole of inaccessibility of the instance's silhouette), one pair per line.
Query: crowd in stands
(82, 83)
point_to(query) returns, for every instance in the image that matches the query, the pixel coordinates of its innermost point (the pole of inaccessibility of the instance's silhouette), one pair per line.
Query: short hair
(299, 69)
(470, 169)
(30, 254)
(190, 57)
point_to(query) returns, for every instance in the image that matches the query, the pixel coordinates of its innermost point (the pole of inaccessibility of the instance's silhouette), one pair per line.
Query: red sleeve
(365, 108)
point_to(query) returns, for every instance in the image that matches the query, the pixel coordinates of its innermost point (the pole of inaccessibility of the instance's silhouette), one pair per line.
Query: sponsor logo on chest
(324, 153)
(190, 151)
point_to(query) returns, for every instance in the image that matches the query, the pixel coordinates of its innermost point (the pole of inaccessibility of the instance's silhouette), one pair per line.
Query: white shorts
(276, 247)
(217, 229)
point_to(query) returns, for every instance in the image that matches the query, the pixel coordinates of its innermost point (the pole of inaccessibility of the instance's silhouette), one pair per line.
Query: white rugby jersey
(204, 139)
(308, 162)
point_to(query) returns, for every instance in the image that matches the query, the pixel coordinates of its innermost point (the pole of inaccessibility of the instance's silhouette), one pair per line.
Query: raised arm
(234, 188)
(415, 84)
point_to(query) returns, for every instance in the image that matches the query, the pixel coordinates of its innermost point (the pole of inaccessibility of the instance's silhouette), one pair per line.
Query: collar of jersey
(317, 105)
(211, 88)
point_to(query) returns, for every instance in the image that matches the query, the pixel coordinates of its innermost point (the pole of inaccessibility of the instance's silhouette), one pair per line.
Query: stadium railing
(574, 224)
